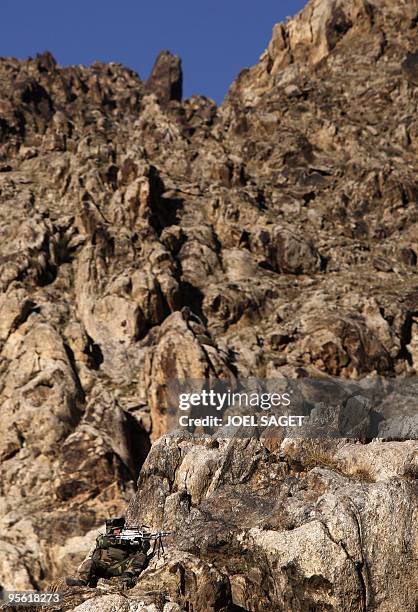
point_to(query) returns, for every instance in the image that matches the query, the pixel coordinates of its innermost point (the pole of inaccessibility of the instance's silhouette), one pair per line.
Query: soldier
(110, 559)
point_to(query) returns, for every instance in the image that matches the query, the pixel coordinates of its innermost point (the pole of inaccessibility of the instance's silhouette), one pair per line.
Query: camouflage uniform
(109, 560)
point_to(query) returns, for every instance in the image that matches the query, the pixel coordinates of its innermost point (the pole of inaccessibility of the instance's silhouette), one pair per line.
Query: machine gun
(137, 535)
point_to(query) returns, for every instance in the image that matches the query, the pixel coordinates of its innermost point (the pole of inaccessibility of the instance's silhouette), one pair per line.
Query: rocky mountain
(144, 238)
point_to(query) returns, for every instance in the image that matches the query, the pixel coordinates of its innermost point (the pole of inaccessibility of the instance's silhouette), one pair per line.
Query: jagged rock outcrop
(146, 237)
(295, 528)
(166, 79)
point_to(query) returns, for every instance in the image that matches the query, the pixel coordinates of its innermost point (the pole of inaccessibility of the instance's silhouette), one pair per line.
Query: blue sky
(214, 39)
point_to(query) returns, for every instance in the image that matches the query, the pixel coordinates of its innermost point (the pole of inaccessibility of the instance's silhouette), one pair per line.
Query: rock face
(166, 79)
(145, 238)
(297, 528)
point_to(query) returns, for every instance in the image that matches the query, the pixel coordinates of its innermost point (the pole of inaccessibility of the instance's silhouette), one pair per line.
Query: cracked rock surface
(145, 238)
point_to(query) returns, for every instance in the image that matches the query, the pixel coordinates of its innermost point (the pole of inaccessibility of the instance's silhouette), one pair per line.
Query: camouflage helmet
(116, 523)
